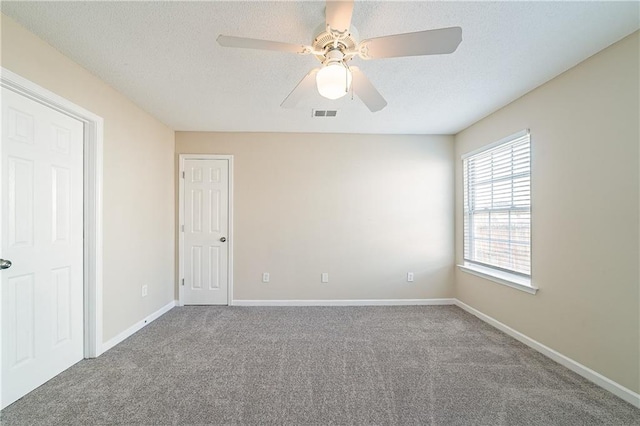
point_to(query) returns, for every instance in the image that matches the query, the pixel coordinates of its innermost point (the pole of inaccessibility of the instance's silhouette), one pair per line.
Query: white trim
(353, 302)
(230, 238)
(93, 159)
(137, 326)
(593, 376)
(500, 277)
(487, 147)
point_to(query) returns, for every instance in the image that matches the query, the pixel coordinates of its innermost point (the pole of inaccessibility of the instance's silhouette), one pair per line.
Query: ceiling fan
(336, 44)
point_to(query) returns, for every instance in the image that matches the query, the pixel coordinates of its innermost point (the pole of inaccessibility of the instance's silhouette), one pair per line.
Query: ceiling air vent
(324, 113)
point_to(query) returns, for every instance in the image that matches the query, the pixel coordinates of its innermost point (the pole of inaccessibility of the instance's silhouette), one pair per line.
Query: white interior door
(41, 188)
(206, 225)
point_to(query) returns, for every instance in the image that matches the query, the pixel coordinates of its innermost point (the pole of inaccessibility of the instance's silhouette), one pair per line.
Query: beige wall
(138, 180)
(585, 214)
(367, 209)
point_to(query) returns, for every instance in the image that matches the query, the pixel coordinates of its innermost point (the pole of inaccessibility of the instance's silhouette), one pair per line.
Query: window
(497, 207)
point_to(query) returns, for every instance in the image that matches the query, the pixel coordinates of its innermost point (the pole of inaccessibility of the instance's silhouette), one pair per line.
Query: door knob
(5, 264)
(223, 239)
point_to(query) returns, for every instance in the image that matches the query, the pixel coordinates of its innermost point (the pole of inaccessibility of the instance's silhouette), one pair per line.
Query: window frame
(511, 278)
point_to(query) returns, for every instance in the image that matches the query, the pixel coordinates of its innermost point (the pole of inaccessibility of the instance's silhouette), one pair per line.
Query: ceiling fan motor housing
(325, 41)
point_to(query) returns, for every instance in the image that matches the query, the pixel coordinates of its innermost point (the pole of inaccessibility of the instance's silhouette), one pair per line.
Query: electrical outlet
(410, 277)
(144, 290)
(325, 277)
(265, 277)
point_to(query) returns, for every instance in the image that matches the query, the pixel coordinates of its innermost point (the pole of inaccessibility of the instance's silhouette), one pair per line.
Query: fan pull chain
(347, 70)
(346, 79)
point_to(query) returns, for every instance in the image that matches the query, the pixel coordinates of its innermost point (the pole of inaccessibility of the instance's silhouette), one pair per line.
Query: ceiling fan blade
(304, 89)
(338, 14)
(252, 43)
(430, 42)
(366, 91)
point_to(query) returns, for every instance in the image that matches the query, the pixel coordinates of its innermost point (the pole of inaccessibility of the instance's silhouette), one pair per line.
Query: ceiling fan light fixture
(333, 80)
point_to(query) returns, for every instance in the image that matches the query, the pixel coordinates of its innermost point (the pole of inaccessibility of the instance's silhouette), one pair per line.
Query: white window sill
(501, 277)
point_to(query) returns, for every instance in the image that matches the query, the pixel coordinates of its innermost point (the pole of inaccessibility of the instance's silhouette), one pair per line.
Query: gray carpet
(400, 365)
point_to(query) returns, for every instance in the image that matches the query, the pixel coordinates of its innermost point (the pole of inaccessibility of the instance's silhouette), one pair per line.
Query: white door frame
(184, 157)
(93, 158)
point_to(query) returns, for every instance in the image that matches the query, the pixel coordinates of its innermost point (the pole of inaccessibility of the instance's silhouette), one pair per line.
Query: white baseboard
(593, 376)
(135, 327)
(354, 302)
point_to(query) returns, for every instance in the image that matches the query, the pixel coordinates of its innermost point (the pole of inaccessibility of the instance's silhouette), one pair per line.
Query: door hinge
(183, 281)
(183, 174)
(182, 228)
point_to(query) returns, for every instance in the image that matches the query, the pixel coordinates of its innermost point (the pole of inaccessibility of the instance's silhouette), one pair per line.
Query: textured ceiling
(164, 57)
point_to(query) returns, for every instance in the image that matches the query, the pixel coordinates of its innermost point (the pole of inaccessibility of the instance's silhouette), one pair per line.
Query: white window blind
(497, 205)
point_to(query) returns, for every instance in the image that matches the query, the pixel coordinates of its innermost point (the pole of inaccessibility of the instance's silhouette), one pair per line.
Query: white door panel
(206, 207)
(42, 224)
